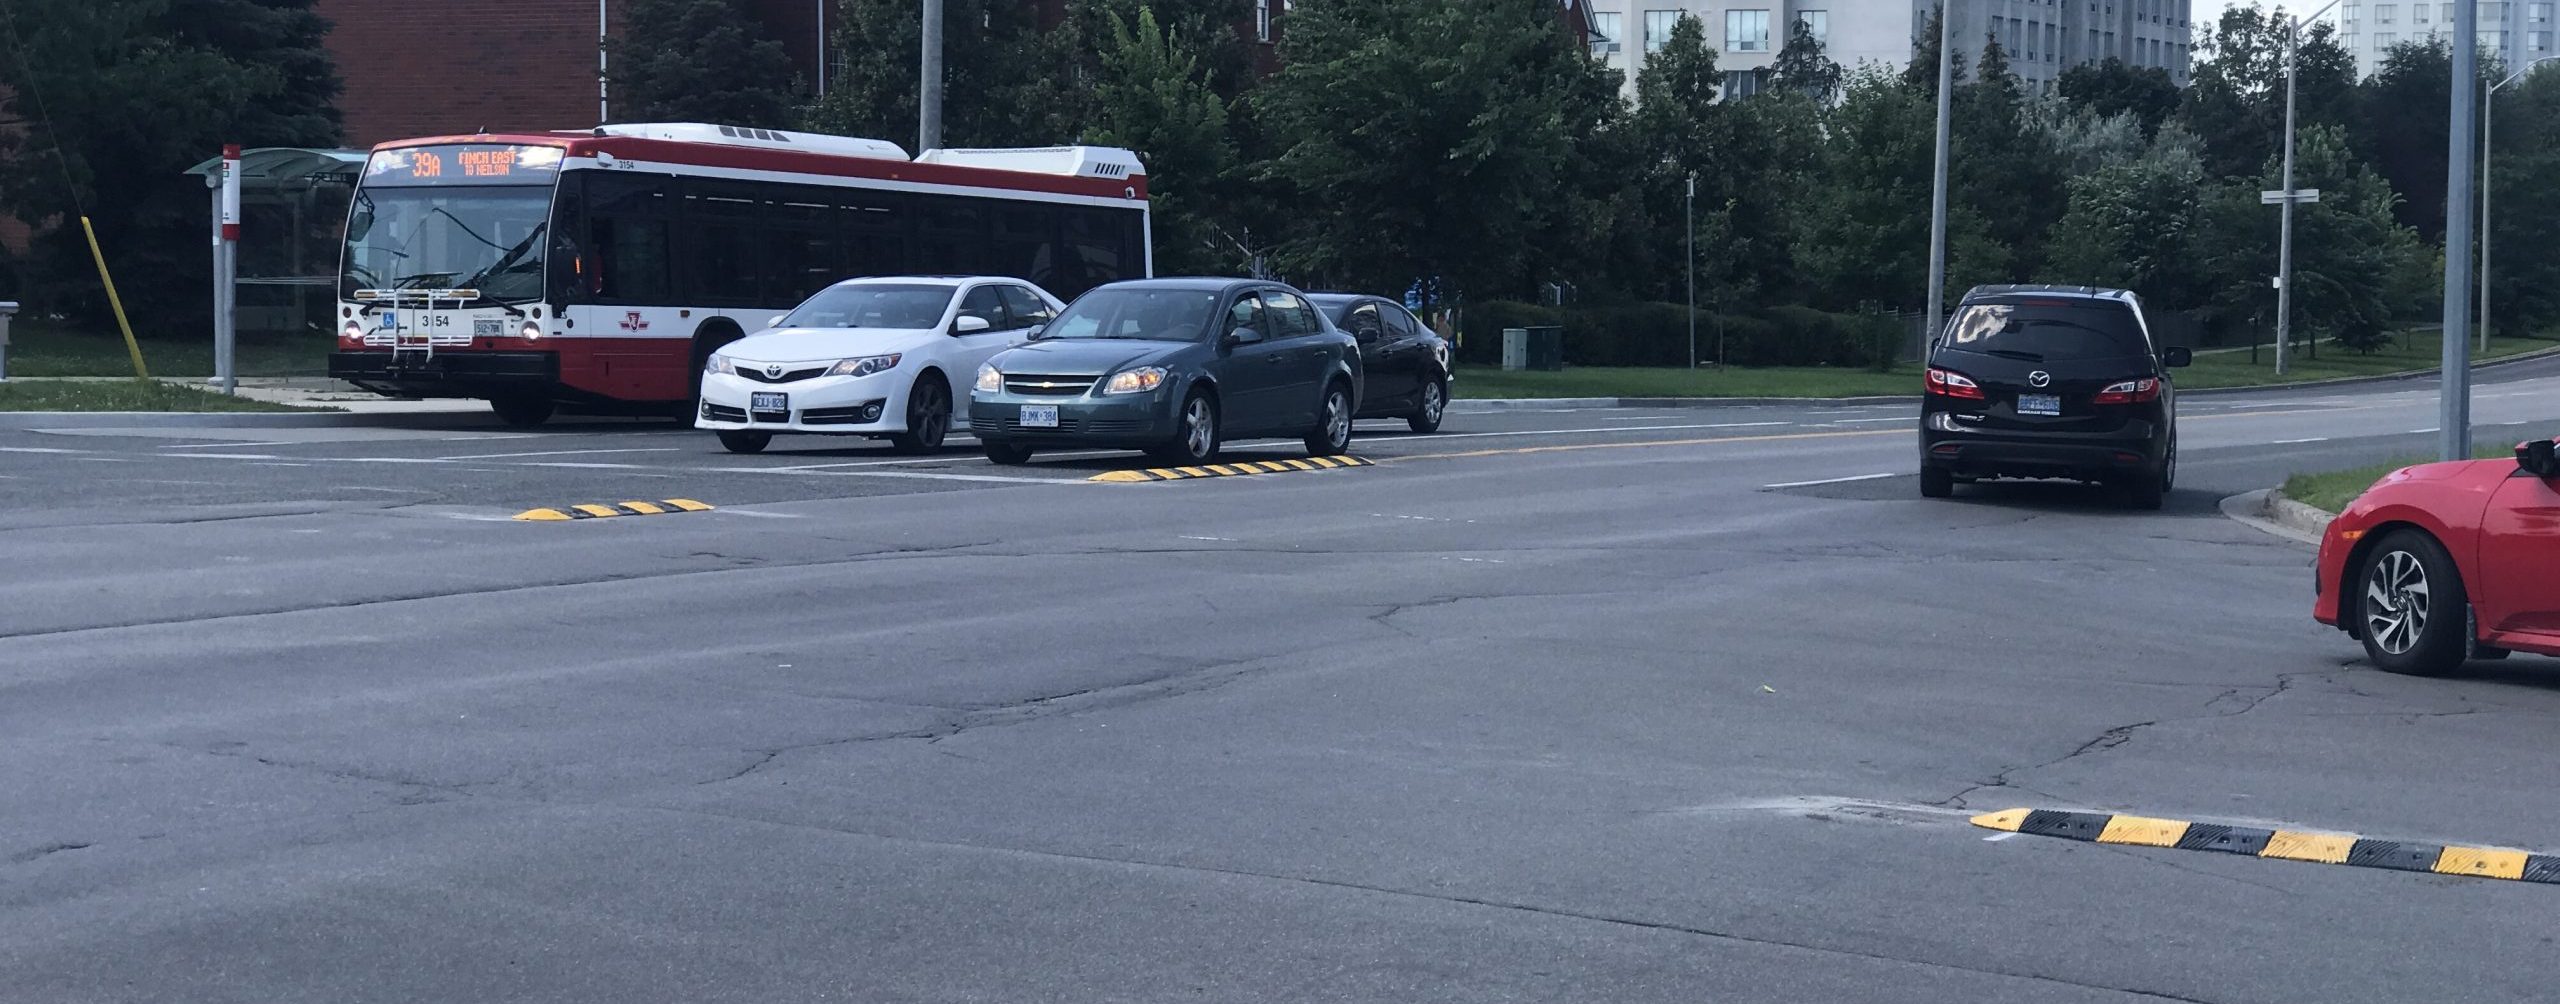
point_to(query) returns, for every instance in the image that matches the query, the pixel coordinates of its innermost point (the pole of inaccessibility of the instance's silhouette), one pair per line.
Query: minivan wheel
(2410, 606)
(1936, 482)
(2148, 490)
(745, 441)
(1332, 433)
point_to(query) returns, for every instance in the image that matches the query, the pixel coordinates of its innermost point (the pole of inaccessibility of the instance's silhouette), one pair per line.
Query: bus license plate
(2039, 404)
(769, 401)
(1039, 416)
(488, 327)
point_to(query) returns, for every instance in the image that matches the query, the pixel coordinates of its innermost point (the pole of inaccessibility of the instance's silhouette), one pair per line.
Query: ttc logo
(633, 322)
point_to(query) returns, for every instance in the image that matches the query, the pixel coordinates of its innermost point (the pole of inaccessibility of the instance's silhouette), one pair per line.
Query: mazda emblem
(775, 370)
(2039, 378)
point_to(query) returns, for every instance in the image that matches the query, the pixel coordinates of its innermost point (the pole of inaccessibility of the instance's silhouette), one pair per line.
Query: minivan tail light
(1949, 383)
(2130, 392)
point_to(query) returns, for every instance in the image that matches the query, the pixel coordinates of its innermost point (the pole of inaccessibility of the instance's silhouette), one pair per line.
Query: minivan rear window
(2048, 330)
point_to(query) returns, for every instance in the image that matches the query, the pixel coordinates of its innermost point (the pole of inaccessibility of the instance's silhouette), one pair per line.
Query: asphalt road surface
(1575, 705)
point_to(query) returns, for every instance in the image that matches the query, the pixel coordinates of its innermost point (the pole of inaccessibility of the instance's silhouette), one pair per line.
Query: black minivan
(2050, 382)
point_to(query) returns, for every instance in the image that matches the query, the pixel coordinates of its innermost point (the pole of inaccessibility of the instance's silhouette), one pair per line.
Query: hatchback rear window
(2048, 330)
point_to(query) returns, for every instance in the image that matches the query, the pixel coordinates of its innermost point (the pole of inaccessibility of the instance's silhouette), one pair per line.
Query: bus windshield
(873, 305)
(488, 238)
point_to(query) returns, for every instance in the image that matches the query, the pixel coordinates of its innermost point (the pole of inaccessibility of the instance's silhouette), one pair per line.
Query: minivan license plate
(1039, 416)
(769, 401)
(2039, 404)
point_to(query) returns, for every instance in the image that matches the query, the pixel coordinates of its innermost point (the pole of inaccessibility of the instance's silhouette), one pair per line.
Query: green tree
(2524, 278)
(1686, 134)
(1922, 71)
(699, 61)
(2132, 225)
(1439, 143)
(2235, 102)
(2403, 128)
(2115, 86)
(1153, 96)
(1864, 233)
(2004, 170)
(1803, 68)
(2357, 271)
(1007, 82)
(1208, 26)
(117, 98)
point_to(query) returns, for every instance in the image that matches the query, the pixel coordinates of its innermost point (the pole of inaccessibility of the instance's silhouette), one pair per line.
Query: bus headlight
(531, 332)
(990, 379)
(353, 332)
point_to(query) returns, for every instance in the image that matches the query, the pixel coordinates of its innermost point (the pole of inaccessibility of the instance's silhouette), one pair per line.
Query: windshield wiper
(2030, 357)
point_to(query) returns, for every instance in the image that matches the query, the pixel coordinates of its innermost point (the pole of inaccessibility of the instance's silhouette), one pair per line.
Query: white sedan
(876, 357)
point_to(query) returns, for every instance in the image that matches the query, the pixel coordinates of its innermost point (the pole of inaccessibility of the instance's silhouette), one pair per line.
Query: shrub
(1657, 334)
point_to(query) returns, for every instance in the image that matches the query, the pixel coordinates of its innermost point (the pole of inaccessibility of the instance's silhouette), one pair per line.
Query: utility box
(1533, 348)
(8, 309)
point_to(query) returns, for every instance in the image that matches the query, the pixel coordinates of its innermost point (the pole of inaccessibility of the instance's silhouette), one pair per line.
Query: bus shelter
(293, 214)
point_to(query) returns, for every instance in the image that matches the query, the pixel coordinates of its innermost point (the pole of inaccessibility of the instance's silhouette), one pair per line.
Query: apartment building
(2043, 37)
(2513, 32)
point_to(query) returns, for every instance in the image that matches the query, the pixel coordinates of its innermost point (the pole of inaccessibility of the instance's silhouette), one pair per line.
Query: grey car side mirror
(1243, 336)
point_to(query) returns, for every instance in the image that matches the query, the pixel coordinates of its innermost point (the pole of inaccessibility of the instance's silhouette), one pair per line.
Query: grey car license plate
(769, 401)
(1039, 416)
(2039, 404)
(488, 327)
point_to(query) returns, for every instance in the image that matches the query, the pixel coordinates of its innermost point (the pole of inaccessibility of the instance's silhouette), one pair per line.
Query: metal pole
(2284, 242)
(822, 46)
(1938, 177)
(2455, 422)
(929, 91)
(226, 326)
(604, 83)
(2488, 106)
(1690, 218)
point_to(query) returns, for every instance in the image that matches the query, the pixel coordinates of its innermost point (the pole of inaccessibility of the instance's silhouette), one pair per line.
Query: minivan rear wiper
(2027, 357)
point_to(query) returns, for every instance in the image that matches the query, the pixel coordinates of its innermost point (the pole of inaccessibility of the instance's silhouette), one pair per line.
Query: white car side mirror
(970, 325)
(777, 320)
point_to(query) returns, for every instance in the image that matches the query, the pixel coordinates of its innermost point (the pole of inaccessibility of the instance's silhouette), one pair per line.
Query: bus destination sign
(464, 165)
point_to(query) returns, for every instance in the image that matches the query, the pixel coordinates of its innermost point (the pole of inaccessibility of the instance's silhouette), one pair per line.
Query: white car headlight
(1136, 381)
(990, 379)
(860, 366)
(719, 364)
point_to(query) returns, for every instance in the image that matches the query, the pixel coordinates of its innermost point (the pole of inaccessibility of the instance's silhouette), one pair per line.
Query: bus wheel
(522, 410)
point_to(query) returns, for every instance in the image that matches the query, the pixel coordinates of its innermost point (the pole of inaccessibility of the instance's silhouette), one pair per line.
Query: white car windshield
(873, 305)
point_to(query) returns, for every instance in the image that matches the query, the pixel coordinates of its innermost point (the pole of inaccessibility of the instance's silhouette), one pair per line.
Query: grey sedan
(1175, 367)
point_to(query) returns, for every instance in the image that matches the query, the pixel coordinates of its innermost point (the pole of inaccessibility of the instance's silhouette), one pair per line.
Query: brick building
(457, 66)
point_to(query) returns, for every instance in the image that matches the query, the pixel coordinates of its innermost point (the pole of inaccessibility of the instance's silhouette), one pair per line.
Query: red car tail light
(1949, 383)
(2130, 392)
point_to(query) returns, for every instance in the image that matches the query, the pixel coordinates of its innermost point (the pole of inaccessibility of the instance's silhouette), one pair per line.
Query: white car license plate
(768, 401)
(2039, 404)
(1039, 416)
(488, 327)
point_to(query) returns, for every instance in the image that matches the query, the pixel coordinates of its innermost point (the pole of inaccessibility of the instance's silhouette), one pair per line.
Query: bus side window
(725, 239)
(876, 237)
(627, 239)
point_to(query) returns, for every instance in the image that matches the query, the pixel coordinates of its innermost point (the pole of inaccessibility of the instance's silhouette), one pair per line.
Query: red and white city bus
(596, 270)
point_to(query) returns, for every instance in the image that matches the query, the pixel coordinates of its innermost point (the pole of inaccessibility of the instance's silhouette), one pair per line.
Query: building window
(1818, 23)
(2348, 14)
(2493, 12)
(1605, 28)
(2385, 40)
(2348, 40)
(2538, 13)
(2418, 14)
(1657, 27)
(2390, 12)
(1746, 31)
(2493, 40)
(2541, 41)
(1262, 20)
(2448, 14)
(1743, 83)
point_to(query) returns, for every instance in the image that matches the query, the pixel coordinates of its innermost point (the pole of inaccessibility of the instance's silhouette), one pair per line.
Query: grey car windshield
(873, 305)
(1163, 315)
(2048, 330)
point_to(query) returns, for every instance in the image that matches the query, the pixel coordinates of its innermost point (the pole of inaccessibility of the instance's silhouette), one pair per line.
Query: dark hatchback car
(2050, 382)
(1175, 367)
(1407, 363)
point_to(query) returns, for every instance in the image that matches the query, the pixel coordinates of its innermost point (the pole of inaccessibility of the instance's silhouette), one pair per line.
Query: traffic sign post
(226, 264)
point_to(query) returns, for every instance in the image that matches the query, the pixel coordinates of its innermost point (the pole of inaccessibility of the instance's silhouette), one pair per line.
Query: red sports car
(2440, 563)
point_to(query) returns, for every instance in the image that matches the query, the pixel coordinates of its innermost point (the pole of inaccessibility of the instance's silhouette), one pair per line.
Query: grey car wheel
(1333, 430)
(1195, 432)
(1435, 403)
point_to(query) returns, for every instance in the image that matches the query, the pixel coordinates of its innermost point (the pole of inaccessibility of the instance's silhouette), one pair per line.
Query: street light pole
(1690, 218)
(822, 47)
(929, 91)
(2455, 386)
(2284, 240)
(1938, 175)
(2488, 107)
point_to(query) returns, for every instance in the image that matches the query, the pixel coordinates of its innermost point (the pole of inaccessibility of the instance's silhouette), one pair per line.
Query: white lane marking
(229, 456)
(598, 467)
(1997, 837)
(761, 515)
(1829, 481)
(1563, 432)
(378, 460)
(365, 488)
(2291, 442)
(1229, 540)
(109, 460)
(1425, 519)
(278, 464)
(1474, 561)
(1854, 421)
(208, 446)
(37, 449)
(562, 453)
(2415, 432)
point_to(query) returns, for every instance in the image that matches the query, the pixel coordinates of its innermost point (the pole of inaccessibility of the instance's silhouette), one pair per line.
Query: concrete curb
(2268, 509)
(1464, 406)
(243, 420)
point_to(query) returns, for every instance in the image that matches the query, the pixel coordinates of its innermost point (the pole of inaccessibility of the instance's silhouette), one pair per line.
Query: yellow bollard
(130, 346)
